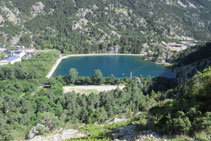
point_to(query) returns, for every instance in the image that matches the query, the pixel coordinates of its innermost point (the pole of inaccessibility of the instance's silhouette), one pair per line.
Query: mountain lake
(119, 66)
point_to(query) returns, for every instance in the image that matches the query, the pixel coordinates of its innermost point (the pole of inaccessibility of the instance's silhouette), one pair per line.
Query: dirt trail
(89, 89)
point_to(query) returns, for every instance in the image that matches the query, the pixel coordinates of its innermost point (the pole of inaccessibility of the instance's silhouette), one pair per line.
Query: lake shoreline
(65, 56)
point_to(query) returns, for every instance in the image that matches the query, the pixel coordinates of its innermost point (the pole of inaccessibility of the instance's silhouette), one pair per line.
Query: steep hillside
(192, 60)
(103, 26)
(189, 112)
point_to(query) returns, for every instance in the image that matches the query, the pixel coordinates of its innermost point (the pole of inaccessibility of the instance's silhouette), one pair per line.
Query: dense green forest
(18, 82)
(193, 54)
(24, 105)
(188, 62)
(178, 109)
(187, 110)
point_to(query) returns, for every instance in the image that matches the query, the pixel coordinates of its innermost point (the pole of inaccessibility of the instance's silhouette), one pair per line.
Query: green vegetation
(23, 77)
(34, 68)
(99, 132)
(124, 26)
(17, 83)
(96, 79)
(192, 60)
(49, 107)
(189, 113)
(185, 111)
(167, 108)
(73, 75)
(193, 54)
(93, 26)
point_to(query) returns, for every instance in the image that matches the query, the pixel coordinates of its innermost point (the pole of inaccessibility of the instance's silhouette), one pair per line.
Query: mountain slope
(189, 111)
(103, 26)
(192, 60)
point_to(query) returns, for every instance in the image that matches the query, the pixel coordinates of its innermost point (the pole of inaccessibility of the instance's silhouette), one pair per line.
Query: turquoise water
(119, 66)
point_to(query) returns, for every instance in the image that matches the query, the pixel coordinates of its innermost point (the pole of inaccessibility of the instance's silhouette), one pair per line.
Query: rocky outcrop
(35, 131)
(1, 19)
(127, 133)
(37, 9)
(10, 16)
(15, 39)
(149, 135)
(60, 135)
(118, 119)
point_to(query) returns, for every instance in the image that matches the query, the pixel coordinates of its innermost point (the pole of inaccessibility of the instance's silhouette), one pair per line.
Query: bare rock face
(181, 4)
(34, 131)
(79, 24)
(65, 134)
(10, 16)
(127, 133)
(82, 12)
(37, 8)
(15, 39)
(149, 135)
(1, 19)
(119, 119)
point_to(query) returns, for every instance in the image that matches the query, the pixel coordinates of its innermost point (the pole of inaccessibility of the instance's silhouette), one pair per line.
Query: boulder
(35, 131)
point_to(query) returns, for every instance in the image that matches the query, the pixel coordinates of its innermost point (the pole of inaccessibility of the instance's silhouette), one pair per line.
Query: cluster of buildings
(180, 46)
(13, 56)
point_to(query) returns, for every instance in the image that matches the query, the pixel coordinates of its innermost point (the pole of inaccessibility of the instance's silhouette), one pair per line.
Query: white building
(3, 62)
(16, 53)
(2, 49)
(11, 60)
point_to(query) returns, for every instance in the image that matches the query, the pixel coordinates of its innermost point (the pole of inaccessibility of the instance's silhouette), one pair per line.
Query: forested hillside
(28, 109)
(27, 106)
(187, 111)
(192, 60)
(126, 26)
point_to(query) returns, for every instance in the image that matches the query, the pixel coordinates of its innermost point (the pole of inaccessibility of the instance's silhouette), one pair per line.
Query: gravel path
(91, 88)
(54, 67)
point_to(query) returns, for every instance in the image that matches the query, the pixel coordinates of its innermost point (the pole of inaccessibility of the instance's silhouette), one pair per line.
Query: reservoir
(119, 66)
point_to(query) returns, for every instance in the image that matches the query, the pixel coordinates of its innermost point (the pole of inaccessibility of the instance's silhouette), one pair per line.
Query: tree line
(96, 79)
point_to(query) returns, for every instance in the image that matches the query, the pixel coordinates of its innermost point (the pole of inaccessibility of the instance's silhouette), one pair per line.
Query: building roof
(2, 47)
(11, 58)
(14, 51)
